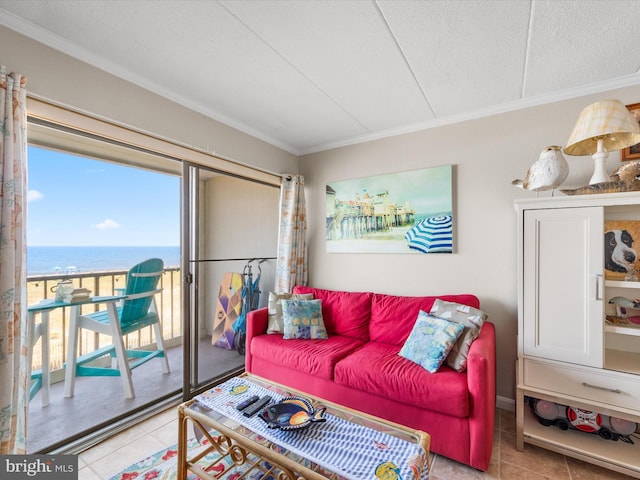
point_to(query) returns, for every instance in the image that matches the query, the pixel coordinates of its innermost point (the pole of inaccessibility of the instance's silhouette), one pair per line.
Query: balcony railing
(102, 283)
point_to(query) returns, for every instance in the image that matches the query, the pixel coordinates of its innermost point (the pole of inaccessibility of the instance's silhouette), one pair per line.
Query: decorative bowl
(292, 413)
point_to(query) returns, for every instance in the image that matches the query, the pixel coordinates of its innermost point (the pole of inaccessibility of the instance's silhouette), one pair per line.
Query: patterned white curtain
(291, 265)
(15, 354)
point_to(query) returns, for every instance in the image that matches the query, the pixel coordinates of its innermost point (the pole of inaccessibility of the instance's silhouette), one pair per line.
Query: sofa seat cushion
(344, 313)
(313, 357)
(393, 317)
(378, 369)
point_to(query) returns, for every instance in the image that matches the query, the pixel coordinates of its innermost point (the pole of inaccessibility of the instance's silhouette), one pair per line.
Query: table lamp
(603, 127)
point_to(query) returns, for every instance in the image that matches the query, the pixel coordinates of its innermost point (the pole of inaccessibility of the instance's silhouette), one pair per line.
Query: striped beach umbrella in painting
(432, 235)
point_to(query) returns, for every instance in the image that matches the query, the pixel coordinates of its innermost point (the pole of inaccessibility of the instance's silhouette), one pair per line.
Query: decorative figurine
(292, 413)
(627, 311)
(625, 179)
(547, 173)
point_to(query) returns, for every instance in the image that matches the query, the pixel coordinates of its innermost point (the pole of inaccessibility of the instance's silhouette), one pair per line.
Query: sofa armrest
(481, 380)
(257, 323)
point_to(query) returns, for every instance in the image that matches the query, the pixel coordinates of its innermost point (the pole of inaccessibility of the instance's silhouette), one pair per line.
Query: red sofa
(358, 366)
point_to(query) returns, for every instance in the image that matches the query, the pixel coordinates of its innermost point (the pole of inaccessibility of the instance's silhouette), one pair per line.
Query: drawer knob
(597, 387)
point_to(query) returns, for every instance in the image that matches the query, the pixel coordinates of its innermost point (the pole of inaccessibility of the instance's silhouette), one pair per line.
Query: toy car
(565, 418)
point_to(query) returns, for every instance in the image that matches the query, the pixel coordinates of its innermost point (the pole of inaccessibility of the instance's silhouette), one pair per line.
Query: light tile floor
(115, 454)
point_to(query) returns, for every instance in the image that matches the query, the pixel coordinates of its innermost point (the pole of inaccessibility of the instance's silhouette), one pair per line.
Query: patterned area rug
(163, 466)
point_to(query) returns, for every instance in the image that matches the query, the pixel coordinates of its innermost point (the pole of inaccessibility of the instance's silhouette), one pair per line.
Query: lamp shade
(609, 121)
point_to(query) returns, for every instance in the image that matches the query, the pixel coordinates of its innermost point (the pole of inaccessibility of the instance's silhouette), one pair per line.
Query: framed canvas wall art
(405, 212)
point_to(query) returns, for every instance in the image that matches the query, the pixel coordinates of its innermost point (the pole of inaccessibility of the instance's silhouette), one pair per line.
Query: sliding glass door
(98, 206)
(229, 247)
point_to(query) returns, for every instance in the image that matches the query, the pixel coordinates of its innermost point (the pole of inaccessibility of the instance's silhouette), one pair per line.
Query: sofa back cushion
(344, 313)
(393, 317)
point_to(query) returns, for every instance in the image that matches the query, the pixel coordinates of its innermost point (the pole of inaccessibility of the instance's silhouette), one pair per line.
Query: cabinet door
(563, 284)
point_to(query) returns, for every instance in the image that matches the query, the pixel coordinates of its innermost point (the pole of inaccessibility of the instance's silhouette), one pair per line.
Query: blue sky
(76, 201)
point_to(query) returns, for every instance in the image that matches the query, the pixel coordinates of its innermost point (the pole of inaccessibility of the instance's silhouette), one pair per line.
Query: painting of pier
(405, 212)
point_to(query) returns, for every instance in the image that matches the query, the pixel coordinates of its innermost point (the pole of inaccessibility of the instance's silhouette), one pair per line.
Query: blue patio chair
(137, 311)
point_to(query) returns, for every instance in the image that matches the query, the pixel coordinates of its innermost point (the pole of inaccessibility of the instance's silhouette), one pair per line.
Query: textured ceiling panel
(466, 54)
(307, 75)
(574, 43)
(346, 50)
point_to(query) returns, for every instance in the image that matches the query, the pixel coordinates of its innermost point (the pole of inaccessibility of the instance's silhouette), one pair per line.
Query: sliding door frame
(190, 265)
(172, 157)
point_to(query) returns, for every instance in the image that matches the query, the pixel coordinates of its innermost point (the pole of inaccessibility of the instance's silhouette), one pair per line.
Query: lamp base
(600, 174)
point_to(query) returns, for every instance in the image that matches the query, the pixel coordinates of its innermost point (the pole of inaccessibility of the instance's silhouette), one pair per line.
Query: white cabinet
(563, 251)
(567, 353)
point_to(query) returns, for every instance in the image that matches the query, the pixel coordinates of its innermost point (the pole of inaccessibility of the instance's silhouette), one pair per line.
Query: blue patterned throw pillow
(276, 322)
(430, 341)
(303, 319)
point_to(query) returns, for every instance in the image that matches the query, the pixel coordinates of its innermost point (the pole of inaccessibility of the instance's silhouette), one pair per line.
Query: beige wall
(487, 154)
(62, 80)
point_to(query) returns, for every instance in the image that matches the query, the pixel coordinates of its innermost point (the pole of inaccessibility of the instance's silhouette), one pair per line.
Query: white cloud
(107, 224)
(33, 195)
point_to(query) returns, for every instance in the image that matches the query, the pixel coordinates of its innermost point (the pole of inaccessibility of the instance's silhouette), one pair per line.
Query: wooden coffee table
(228, 438)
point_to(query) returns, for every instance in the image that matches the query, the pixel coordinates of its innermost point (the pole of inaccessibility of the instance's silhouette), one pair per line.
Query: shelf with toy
(626, 317)
(616, 455)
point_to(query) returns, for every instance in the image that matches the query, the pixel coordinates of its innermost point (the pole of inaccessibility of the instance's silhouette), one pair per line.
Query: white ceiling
(309, 75)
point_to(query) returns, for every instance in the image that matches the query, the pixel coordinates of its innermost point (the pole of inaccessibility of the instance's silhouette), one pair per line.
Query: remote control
(247, 402)
(256, 407)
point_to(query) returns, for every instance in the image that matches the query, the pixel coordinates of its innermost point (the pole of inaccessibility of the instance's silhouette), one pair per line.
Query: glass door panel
(230, 239)
(80, 231)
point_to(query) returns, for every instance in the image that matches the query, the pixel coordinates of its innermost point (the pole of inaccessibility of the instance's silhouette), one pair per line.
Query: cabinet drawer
(604, 386)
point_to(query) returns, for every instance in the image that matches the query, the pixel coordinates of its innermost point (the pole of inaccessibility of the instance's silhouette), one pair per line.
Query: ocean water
(45, 260)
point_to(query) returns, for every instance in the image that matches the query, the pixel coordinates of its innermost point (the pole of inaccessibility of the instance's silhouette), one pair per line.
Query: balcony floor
(100, 400)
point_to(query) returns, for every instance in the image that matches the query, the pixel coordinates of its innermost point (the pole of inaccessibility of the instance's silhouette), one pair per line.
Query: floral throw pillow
(472, 320)
(430, 341)
(276, 324)
(303, 319)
